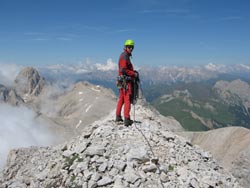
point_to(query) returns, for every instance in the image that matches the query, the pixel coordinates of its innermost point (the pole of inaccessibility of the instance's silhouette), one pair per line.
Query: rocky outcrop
(76, 107)
(29, 83)
(235, 93)
(109, 155)
(230, 146)
(8, 95)
(236, 87)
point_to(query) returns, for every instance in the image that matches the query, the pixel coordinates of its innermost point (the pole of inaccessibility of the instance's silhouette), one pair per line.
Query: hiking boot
(128, 122)
(118, 119)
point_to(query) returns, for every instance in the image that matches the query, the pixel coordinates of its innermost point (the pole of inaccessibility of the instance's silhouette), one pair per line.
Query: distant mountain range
(203, 106)
(106, 74)
(200, 97)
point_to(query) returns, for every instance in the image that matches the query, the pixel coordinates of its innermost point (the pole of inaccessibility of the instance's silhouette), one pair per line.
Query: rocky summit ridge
(147, 154)
(230, 146)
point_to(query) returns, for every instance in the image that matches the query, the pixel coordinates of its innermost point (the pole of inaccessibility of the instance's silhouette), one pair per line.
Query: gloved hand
(136, 74)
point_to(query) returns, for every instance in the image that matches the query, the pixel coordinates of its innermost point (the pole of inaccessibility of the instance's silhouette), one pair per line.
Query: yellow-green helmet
(129, 42)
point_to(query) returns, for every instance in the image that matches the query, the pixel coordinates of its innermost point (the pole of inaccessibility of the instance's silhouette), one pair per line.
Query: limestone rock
(230, 146)
(104, 162)
(29, 83)
(8, 95)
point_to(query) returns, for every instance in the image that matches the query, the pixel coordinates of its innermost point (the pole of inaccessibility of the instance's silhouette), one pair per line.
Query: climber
(126, 76)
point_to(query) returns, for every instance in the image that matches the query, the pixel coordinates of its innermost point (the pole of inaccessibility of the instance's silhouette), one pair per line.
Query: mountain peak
(29, 83)
(146, 154)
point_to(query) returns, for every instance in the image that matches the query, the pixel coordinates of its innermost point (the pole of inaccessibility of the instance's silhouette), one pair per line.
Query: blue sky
(166, 32)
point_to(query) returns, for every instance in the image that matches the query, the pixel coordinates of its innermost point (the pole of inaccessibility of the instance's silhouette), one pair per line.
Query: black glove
(136, 74)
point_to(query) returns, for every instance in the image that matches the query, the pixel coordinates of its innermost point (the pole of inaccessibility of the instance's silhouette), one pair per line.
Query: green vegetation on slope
(216, 113)
(197, 106)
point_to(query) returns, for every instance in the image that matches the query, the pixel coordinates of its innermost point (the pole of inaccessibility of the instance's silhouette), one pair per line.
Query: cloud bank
(110, 65)
(8, 73)
(19, 128)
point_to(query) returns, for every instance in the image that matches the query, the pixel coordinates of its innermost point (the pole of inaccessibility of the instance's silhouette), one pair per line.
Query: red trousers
(124, 98)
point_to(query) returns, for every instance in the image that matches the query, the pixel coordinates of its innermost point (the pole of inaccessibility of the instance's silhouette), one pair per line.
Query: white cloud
(216, 67)
(165, 11)
(40, 39)
(83, 67)
(110, 65)
(64, 38)
(8, 73)
(19, 128)
(231, 18)
(33, 33)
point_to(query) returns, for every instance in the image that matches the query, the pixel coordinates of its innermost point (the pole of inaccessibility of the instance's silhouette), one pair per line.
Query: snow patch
(88, 108)
(97, 90)
(79, 123)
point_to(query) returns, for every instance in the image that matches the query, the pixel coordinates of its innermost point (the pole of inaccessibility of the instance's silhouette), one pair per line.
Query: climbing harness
(122, 82)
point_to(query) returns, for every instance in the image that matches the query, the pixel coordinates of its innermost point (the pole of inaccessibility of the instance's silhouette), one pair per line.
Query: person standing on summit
(126, 76)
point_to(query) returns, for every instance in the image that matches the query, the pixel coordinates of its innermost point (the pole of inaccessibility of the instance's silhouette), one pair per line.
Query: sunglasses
(130, 47)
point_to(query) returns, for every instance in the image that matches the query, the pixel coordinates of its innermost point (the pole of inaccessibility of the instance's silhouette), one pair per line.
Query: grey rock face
(240, 167)
(108, 158)
(77, 107)
(29, 83)
(234, 93)
(8, 95)
(230, 146)
(236, 87)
